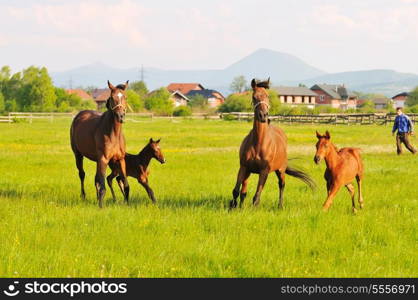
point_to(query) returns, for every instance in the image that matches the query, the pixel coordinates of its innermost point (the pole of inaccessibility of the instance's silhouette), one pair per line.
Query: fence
(132, 117)
(347, 119)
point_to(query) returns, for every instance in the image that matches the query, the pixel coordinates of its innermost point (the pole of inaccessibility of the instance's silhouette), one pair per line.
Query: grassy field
(47, 230)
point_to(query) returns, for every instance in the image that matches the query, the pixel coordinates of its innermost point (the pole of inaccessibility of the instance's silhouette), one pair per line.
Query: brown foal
(137, 167)
(99, 137)
(342, 167)
(264, 150)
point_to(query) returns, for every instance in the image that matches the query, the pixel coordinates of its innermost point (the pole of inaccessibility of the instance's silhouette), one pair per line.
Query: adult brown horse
(342, 167)
(98, 136)
(263, 151)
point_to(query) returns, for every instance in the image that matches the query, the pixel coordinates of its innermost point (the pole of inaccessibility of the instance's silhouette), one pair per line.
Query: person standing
(404, 126)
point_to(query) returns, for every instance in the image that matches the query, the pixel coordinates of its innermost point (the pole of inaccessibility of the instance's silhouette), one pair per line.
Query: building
(178, 98)
(100, 96)
(381, 103)
(296, 95)
(184, 88)
(80, 93)
(337, 96)
(400, 99)
(214, 98)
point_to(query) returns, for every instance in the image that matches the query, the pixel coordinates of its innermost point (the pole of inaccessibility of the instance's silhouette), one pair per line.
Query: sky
(331, 35)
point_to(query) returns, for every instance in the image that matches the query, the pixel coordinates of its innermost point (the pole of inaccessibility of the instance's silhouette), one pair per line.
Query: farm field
(48, 231)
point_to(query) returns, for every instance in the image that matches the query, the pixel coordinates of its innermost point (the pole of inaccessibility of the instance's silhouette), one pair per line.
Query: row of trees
(32, 90)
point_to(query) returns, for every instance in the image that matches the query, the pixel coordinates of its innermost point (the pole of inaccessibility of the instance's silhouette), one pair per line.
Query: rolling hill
(282, 68)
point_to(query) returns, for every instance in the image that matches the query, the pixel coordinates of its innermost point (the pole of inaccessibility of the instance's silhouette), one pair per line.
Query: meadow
(48, 231)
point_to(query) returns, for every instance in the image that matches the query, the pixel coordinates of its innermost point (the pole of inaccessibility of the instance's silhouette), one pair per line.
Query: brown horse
(342, 167)
(99, 137)
(263, 151)
(137, 167)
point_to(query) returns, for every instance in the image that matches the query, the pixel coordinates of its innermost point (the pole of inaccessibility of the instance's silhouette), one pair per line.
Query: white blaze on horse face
(120, 95)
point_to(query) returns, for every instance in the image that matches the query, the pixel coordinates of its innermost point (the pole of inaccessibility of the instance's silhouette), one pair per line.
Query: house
(381, 103)
(214, 98)
(338, 96)
(296, 95)
(400, 99)
(100, 96)
(178, 98)
(80, 93)
(184, 88)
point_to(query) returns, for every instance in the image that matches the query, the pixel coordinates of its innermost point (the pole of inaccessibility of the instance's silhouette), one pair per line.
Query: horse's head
(261, 101)
(117, 100)
(156, 150)
(323, 146)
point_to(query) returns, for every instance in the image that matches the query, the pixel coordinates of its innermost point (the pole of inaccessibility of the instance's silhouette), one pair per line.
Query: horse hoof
(354, 210)
(325, 209)
(232, 204)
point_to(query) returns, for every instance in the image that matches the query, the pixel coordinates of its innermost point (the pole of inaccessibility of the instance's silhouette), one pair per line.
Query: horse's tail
(302, 176)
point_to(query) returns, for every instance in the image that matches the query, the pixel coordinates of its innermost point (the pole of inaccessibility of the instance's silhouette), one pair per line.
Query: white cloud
(93, 20)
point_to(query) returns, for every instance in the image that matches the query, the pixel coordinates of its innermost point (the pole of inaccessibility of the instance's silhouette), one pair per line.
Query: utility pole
(142, 73)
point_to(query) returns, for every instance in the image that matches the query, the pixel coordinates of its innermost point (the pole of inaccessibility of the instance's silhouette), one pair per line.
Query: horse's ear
(253, 83)
(126, 85)
(268, 83)
(327, 135)
(318, 135)
(151, 141)
(108, 104)
(158, 141)
(110, 85)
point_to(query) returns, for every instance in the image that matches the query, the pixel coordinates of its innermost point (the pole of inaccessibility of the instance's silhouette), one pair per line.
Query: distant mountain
(386, 82)
(282, 68)
(260, 64)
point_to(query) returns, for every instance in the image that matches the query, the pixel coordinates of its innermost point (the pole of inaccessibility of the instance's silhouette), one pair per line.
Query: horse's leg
(261, 181)
(327, 177)
(235, 192)
(120, 184)
(350, 189)
(243, 192)
(360, 194)
(100, 180)
(81, 173)
(150, 192)
(331, 195)
(281, 177)
(124, 179)
(109, 183)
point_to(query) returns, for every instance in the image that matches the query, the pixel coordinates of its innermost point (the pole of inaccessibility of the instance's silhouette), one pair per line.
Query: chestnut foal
(137, 167)
(342, 167)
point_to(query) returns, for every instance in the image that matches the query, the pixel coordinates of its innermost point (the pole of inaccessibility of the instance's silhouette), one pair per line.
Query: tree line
(32, 90)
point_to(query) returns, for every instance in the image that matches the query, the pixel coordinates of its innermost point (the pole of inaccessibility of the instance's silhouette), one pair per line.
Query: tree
(139, 87)
(134, 101)
(412, 98)
(238, 84)
(68, 102)
(159, 101)
(182, 111)
(236, 103)
(198, 101)
(2, 103)
(367, 106)
(37, 92)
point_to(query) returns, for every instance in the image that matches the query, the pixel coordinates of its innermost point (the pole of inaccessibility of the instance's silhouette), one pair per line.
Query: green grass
(47, 230)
